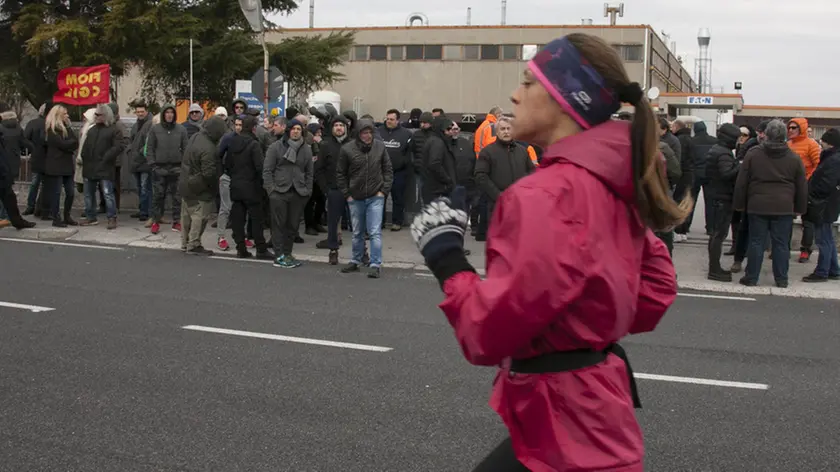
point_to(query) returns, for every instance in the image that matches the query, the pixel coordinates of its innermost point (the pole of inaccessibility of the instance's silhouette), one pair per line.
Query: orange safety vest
(484, 135)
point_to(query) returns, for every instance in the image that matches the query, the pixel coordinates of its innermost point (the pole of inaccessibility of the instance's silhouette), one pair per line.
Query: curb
(40, 234)
(766, 291)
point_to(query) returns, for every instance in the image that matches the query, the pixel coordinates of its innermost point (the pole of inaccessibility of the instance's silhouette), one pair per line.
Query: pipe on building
(469, 16)
(646, 59)
(311, 13)
(504, 12)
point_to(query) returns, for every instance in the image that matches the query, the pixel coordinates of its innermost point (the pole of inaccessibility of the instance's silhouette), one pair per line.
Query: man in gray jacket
(165, 148)
(365, 176)
(288, 176)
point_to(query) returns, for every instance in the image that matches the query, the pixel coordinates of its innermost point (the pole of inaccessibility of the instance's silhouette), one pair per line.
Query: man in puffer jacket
(701, 143)
(809, 151)
(439, 163)
(199, 184)
(164, 151)
(722, 171)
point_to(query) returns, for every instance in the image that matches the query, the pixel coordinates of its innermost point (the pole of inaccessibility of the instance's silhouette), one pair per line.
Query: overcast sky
(782, 50)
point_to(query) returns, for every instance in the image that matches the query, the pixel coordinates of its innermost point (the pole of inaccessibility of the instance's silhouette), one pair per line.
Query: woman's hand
(438, 229)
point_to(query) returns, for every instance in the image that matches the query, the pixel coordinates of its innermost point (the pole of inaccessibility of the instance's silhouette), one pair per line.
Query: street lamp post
(252, 9)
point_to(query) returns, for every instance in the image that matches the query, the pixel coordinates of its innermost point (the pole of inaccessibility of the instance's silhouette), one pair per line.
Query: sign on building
(701, 100)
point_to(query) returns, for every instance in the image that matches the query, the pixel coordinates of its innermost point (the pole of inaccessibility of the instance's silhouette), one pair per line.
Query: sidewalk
(399, 251)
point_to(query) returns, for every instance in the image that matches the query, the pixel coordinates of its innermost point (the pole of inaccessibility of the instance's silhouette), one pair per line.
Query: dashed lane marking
(58, 243)
(696, 381)
(21, 306)
(291, 339)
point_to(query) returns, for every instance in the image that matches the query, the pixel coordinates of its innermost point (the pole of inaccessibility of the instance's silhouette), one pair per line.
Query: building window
(414, 52)
(397, 53)
(378, 53)
(510, 52)
(529, 51)
(489, 52)
(471, 52)
(360, 53)
(433, 52)
(452, 53)
(629, 52)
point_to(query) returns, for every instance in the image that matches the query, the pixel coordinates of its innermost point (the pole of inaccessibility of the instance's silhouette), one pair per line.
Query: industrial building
(468, 69)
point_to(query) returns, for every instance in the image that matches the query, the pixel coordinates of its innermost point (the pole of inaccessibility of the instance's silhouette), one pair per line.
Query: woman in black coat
(824, 207)
(60, 164)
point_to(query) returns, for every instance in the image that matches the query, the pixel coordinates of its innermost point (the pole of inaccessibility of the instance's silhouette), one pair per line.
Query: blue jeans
(91, 187)
(827, 261)
(367, 215)
(144, 193)
(33, 191)
(779, 229)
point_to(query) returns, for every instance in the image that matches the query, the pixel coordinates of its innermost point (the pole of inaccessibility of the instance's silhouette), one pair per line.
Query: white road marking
(32, 308)
(57, 243)
(423, 274)
(250, 259)
(292, 339)
(696, 381)
(716, 297)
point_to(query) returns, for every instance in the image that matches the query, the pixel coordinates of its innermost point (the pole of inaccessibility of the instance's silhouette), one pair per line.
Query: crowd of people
(755, 182)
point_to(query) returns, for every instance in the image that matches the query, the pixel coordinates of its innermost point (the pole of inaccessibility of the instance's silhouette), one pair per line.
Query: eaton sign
(701, 100)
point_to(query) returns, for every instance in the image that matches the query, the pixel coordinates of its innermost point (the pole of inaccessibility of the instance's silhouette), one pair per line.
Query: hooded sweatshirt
(328, 152)
(721, 165)
(701, 143)
(199, 175)
(137, 151)
(194, 126)
(807, 148)
(166, 141)
(439, 161)
(364, 169)
(14, 141)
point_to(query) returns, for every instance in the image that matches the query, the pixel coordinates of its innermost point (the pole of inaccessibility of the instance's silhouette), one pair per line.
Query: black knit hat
(831, 137)
(762, 126)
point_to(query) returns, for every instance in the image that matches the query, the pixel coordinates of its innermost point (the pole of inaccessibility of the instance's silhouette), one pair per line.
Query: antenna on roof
(613, 11)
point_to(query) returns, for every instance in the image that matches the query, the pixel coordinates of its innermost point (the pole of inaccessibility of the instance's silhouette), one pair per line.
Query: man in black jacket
(701, 143)
(325, 176)
(397, 141)
(418, 143)
(37, 202)
(103, 147)
(243, 165)
(667, 137)
(439, 162)
(7, 191)
(686, 181)
(139, 167)
(499, 165)
(824, 207)
(721, 170)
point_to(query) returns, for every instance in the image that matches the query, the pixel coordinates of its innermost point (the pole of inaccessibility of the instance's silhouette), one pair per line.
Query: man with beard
(164, 151)
(325, 175)
(137, 157)
(244, 164)
(195, 120)
(397, 141)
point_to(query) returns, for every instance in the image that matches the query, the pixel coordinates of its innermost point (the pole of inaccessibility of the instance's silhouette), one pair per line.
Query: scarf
(292, 151)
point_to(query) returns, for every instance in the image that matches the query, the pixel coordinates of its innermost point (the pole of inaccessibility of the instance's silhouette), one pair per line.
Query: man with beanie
(397, 141)
(418, 144)
(326, 177)
(165, 148)
(102, 149)
(199, 184)
(771, 188)
(365, 176)
(721, 170)
(824, 207)
(288, 177)
(137, 158)
(809, 152)
(243, 164)
(439, 163)
(195, 120)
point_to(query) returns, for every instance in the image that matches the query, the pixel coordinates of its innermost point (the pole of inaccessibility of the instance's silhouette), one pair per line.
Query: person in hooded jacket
(465, 161)
(326, 168)
(439, 163)
(8, 175)
(38, 199)
(418, 144)
(199, 183)
(139, 166)
(316, 206)
(809, 152)
(165, 147)
(771, 189)
(15, 142)
(686, 183)
(701, 143)
(398, 142)
(102, 148)
(244, 164)
(551, 318)
(824, 207)
(500, 165)
(721, 170)
(195, 120)
(59, 164)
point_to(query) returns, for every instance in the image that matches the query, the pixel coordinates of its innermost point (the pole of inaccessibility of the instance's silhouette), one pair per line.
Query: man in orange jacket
(486, 134)
(809, 151)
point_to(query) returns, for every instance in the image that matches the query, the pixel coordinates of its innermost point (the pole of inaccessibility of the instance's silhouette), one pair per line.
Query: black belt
(565, 361)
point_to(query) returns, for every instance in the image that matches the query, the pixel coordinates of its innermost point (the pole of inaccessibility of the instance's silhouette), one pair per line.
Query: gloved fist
(438, 229)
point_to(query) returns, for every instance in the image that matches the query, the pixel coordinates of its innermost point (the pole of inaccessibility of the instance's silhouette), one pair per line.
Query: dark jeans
(9, 200)
(742, 238)
(314, 208)
(335, 211)
(723, 217)
(165, 182)
(668, 239)
(699, 183)
(286, 210)
(398, 197)
(827, 261)
(242, 212)
(779, 229)
(807, 243)
(501, 459)
(39, 195)
(144, 193)
(55, 183)
(485, 213)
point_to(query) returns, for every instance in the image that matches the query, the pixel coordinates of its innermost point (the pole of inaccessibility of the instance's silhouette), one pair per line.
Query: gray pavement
(108, 379)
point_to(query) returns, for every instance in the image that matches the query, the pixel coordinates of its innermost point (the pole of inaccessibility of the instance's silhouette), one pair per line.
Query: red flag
(84, 85)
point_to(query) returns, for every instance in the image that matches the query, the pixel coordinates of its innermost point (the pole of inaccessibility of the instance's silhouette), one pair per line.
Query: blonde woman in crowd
(62, 144)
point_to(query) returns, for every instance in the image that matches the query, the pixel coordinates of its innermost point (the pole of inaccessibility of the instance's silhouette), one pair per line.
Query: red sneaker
(155, 228)
(223, 244)
(249, 244)
(176, 227)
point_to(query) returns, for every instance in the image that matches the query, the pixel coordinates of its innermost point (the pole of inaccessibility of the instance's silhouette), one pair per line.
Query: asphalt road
(110, 380)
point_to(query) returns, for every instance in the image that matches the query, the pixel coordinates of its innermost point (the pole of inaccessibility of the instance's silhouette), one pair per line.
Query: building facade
(469, 69)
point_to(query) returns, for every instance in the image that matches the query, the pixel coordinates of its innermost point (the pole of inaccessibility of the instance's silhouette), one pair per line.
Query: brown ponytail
(653, 200)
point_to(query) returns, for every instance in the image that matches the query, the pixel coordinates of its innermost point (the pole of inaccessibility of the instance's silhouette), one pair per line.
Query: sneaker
(349, 268)
(375, 273)
(814, 278)
(333, 257)
(294, 262)
(804, 257)
(249, 244)
(396, 227)
(5, 223)
(176, 227)
(265, 255)
(322, 244)
(782, 284)
(286, 262)
(148, 223)
(24, 224)
(223, 244)
(747, 282)
(112, 223)
(200, 251)
(155, 228)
